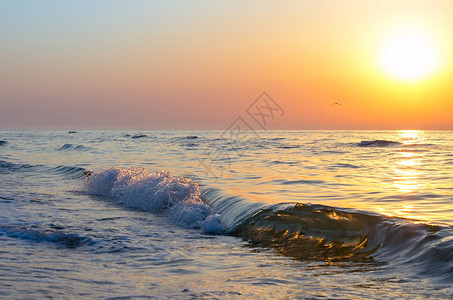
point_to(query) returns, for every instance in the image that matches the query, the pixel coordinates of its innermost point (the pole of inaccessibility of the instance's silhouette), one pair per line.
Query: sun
(409, 55)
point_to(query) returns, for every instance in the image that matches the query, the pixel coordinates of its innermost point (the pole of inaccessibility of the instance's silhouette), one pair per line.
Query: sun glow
(410, 55)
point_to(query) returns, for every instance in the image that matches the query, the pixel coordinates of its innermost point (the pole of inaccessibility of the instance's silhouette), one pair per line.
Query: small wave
(67, 147)
(191, 145)
(138, 136)
(3, 143)
(71, 172)
(288, 146)
(72, 131)
(378, 143)
(6, 165)
(191, 137)
(402, 146)
(342, 165)
(7, 198)
(301, 181)
(162, 192)
(81, 147)
(70, 240)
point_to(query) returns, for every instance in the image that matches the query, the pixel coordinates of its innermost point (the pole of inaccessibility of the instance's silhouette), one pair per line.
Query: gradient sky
(200, 64)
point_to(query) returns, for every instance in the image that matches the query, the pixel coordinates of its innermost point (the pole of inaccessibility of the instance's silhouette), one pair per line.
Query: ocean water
(204, 215)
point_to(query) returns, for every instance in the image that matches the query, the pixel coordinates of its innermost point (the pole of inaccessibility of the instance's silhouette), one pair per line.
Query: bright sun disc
(409, 56)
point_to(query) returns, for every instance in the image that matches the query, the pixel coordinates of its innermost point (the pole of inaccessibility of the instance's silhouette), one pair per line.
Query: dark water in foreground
(185, 214)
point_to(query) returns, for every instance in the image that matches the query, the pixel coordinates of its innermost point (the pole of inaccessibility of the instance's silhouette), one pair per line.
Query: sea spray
(162, 192)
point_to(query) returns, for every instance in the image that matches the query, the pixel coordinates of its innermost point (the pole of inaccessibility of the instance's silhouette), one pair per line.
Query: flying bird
(336, 103)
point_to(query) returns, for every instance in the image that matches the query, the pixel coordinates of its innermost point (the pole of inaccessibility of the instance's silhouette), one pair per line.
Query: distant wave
(69, 240)
(69, 172)
(67, 147)
(343, 165)
(316, 232)
(385, 143)
(6, 164)
(9, 166)
(288, 146)
(379, 143)
(301, 181)
(191, 137)
(2, 143)
(138, 136)
(190, 145)
(162, 192)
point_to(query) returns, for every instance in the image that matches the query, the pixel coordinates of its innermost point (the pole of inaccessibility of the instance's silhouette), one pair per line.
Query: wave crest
(177, 197)
(323, 233)
(67, 147)
(138, 136)
(385, 143)
(309, 232)
(379, 143)
(71, 172)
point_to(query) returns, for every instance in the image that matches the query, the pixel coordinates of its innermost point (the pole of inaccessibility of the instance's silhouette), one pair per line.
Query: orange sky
(199, 64)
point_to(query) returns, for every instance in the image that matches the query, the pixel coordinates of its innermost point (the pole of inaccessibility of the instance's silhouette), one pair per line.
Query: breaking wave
(302, 231)
(298, 230)
(162, 192)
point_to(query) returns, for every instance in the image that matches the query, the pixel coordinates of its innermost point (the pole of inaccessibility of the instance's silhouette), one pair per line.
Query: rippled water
(181, 214)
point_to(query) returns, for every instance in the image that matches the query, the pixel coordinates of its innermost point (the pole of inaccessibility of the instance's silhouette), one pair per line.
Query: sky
(111, 64)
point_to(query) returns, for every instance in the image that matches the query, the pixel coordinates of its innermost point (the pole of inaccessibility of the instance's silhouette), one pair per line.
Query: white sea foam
(177, 197)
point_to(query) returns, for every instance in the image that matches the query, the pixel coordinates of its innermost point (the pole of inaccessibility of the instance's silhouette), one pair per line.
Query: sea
(193, 214)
